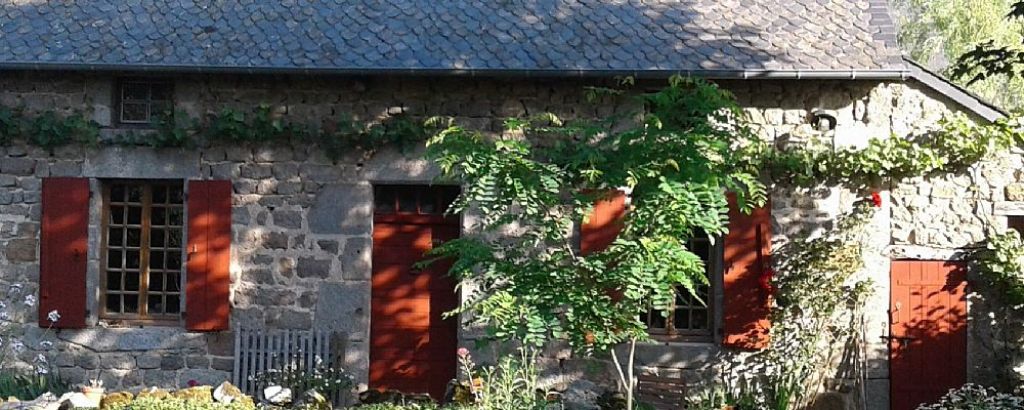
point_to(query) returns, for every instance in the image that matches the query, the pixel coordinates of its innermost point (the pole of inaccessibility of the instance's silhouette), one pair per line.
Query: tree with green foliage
(992, 58)
(676, 159)
(937, 33)
(676, 156)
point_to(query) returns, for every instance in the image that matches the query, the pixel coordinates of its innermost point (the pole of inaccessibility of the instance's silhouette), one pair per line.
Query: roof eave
(844, 74)
(972, 102)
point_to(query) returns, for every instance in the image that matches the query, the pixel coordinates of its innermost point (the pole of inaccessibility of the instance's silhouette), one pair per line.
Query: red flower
(192, 383)
(766, 280)
(876, 199)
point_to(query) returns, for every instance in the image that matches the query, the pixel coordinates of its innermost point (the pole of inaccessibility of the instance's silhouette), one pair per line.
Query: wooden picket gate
(258, 350)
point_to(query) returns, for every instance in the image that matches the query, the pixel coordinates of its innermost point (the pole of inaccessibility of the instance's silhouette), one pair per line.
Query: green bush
(975, 397)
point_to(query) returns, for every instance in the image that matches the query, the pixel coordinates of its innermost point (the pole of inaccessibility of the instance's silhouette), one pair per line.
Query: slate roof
(451, 35)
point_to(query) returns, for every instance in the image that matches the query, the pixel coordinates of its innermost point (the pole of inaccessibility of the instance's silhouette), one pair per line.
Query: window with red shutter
(745, 322)
(64, 240)
(688, 318)
(208, 276)
(142, 250)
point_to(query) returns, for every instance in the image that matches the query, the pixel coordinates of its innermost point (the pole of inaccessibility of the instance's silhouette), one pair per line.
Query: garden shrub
(975, 397)
(178, 403)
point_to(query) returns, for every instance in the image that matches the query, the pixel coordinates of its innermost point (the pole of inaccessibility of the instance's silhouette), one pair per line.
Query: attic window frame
(120, 99)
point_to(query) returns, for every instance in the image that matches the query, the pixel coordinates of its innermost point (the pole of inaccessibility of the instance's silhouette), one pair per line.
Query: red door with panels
(412, 346)
(928, 331)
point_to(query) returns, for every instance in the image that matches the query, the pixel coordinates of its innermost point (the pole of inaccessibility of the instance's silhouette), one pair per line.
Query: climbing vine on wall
(261, 125)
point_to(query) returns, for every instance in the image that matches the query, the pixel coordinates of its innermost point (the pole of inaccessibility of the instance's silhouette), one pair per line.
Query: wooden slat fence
(258, 350)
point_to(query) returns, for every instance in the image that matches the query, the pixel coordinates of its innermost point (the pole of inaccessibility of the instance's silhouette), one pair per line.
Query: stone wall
(302, 224)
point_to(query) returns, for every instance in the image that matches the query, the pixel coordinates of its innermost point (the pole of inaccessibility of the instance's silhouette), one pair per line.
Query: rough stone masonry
(302, 224)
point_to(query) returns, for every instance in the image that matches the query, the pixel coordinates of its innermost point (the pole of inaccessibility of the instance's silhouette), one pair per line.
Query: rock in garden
(76, 400)
(277, 394)
(227, 393)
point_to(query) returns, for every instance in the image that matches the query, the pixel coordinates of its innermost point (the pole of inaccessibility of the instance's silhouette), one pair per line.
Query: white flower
(53, 316)
(40, 358)
(30, 300)
(42, 370)
(45, 344)
(17, 346)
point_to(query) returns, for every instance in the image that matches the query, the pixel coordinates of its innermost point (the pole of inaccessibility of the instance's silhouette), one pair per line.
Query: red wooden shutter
(208, 276)
(747, 257)
(604, 223)
(63, 246)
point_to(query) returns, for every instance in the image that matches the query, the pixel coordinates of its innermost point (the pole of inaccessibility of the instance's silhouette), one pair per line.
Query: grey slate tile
(464, 34)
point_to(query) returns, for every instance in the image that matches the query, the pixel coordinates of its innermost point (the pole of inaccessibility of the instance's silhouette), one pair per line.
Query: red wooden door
(928, 331)
(412, 347)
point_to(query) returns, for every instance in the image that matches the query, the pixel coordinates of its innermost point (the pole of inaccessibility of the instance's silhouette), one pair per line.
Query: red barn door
(928, 332)
(412, 347)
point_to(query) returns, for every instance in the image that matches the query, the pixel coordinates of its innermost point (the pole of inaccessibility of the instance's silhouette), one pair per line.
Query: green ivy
(1002, 264)
(957, 144)
(258, 126)
(47, 130)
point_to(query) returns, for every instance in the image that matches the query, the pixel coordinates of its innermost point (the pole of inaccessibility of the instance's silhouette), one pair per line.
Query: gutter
(890, 74)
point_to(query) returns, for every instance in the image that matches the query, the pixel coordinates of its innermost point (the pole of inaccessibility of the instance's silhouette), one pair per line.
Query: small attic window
(144, 102)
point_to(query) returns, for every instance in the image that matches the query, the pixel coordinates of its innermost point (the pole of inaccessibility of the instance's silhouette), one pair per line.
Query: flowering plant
(25, 370)
(323, 378)
(972, 396)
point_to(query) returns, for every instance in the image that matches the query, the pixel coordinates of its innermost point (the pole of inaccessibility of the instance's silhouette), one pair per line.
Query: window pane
(134, 112)
(384, 200)
(174, 260)
(135, 215)
(156, 282)
(700, 319)
(156, 238)
(406, 201)
(428, 202)
(174, 238)
(657, 320)
(173, 282)
(173, 304)
(114, 280)
(175, 215)
(117, 215)
(131, 281)
(134, 237)
(114, 257)
(155, 304)
(158, 216)
(681, 320)
(131, 259)
(156, 259)
(115, 237)
(131, 303)
(114, 303)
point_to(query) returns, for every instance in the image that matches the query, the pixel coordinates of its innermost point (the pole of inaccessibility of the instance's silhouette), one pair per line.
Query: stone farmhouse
(157, 258)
